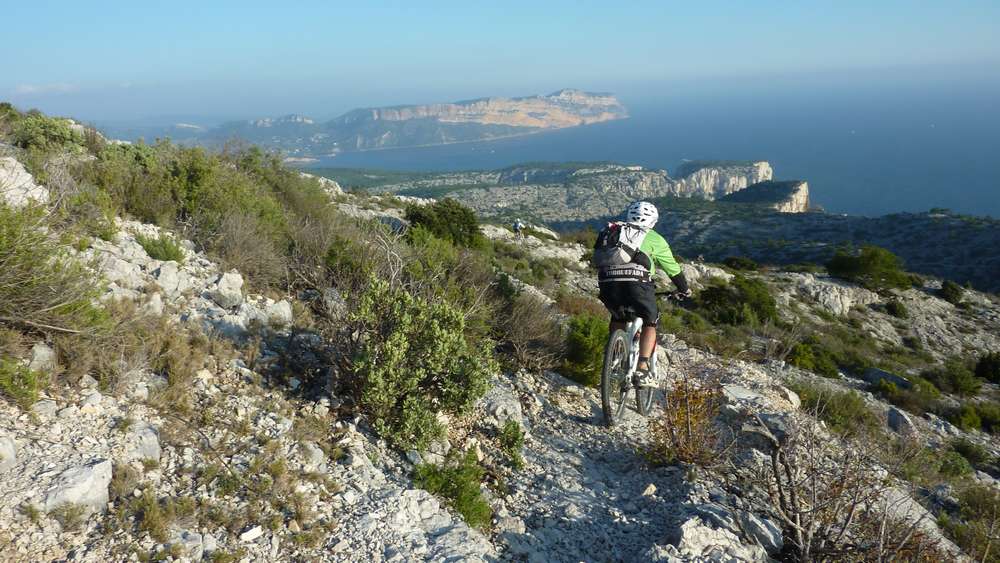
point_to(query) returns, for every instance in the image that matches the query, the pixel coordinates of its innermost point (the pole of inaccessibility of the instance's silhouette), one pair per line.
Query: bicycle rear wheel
(614, 378)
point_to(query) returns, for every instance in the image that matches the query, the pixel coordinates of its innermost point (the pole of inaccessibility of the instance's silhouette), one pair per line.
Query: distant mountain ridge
(420, 125)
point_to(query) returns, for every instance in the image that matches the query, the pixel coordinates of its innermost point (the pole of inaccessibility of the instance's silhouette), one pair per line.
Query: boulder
(8, 453)
(834, 296)
(900, 421)
(280, 314)
(334, 303)
(191, 544)
(874, 376)
(43, 358)
(501, 404)
(765, 531)
(144, 443)
(84, 485)
(171, 279)
(696, 540)
(45, 407)
(17, 185)
(228, 291)
(123, 273)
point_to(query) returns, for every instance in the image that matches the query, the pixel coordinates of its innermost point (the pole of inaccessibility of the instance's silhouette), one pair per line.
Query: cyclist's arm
(663, 257)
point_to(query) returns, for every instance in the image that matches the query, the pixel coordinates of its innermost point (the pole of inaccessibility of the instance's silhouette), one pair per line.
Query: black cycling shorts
(639, 296)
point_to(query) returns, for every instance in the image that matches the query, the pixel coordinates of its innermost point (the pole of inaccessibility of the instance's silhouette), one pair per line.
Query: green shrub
(974, 529)
(447, 219)
(415, 360)
(954, 377)
(163, 247)
(845, 411)
(953, 464)
(512, 441)
(919, 399)
(41, 286)
(873, 267)
(46, 134)
(976, 455)
(810, 356)
(951, 292)
(989, 416)
(966, 418)
(988, 367)
(896, 308)
(744, 301)
(458, 482)
(19, 384)
(585, 342)
(741, 263)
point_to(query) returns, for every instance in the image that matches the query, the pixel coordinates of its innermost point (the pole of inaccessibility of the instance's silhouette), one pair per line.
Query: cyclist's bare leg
(647, 344)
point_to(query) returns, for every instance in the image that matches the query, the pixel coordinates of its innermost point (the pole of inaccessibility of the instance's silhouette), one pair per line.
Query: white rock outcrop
(17, 185)
(84, 485)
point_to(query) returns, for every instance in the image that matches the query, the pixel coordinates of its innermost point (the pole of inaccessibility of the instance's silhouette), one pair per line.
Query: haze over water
(866, 150)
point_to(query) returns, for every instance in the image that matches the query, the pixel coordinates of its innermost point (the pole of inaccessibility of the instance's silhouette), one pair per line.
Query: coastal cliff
(421, 125)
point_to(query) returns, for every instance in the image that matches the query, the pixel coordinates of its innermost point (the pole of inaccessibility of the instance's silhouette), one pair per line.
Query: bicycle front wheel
(615, 382)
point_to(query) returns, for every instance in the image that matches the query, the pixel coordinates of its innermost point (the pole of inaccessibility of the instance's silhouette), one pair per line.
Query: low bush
(873, 267)
(743, 301)
(447, 219)
(530, 333)
(686, 431)
(975, 454)
(47, 134)
(511, 442)
(18, 384)
(977, 522)
(741, 263)
(954, 377)
(458, 482)
(845, 411)
(951, 292)
(896, 308)
(813, 357)
(988, 367)
(585, 342)
(41, 286)
(966, 417)
(162, 247)
(922, 397)
(954, 464)
(413, 361)
(989, 416)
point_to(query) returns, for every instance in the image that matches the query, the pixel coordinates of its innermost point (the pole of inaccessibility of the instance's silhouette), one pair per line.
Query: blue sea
(862, 152)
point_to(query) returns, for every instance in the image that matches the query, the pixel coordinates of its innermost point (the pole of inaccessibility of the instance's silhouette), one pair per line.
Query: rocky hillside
(576, 192)
(783, 197)
(420, 125)
(287, 372)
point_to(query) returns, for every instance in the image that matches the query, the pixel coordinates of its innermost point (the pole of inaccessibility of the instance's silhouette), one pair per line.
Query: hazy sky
(123, 60)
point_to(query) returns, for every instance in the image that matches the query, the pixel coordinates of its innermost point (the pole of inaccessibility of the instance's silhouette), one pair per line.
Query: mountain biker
(631, 284)
(518, 228)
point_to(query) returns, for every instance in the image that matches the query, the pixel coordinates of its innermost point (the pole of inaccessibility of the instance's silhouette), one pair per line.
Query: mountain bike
(618, 378)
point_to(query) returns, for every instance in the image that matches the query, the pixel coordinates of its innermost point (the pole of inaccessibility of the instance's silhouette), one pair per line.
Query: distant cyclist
(627, 254)
(518, 229)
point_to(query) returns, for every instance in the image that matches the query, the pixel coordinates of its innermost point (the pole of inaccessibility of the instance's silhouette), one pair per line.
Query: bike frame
(632, 332)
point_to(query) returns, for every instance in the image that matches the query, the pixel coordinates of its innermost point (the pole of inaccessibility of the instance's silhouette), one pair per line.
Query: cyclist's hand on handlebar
(679, 295)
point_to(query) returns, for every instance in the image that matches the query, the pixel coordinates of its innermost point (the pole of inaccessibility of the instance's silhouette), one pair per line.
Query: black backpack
(618, 244)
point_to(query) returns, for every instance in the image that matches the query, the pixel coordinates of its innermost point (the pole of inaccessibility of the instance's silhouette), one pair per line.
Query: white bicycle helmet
(642, 213)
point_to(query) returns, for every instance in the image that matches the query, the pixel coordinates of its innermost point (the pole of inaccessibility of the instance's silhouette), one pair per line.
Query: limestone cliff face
(797, 202)
(711, 182)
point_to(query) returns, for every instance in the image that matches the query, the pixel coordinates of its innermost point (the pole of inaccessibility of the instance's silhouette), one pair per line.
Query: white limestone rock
(228, 290)
(17, 185)
(43, 358)
(84, 485)
(8, 453)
